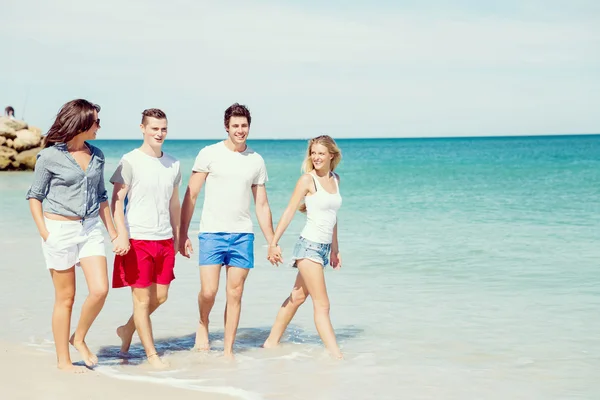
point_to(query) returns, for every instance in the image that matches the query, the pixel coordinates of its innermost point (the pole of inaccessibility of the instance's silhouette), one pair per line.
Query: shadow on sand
(246, 339)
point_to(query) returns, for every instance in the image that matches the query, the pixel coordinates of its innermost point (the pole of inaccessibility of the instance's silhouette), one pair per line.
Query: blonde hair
(332, 148)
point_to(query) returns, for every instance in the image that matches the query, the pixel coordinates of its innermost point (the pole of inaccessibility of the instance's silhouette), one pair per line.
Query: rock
(19, 145)
(7, 132)
(16, 124)
(26, 159)
(26, 140)
(35, 129)
(6, 157)
(4, 163)
(7, 152)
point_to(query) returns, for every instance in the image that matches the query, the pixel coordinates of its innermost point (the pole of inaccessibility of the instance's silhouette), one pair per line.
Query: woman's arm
(37, 193)
(103, 200)
(336, 258)
(301, 189)
(35, 206)
(107, 220)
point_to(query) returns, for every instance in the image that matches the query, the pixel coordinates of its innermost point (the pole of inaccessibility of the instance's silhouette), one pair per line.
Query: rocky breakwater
(19, 145)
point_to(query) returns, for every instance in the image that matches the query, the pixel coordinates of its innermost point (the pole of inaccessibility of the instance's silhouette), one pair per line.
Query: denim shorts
(317, 252)
(221, 248)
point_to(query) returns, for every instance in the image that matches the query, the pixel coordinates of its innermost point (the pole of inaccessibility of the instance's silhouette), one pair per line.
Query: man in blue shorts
(232, 172)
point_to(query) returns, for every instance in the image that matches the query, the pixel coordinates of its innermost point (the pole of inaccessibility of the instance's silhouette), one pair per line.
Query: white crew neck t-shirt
(228, 187)
(151, 182)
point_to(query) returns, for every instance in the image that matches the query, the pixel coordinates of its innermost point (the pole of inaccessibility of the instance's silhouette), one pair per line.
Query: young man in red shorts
(146, 211)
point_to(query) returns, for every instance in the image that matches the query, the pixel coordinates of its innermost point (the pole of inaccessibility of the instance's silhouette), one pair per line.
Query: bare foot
(125, 338)
(269, 344)
(74, 369)
(88, 357)
(229, 355)
(337, 355)
(157, 362)
(202, 343)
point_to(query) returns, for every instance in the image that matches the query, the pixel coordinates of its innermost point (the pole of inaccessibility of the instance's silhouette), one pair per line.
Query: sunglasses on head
(97, 122)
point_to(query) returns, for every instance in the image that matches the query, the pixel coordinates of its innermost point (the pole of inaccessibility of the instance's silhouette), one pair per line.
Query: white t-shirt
(151, 183)
(228, 187)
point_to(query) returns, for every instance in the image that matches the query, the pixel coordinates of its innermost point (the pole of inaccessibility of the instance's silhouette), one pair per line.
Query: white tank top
(321, 213)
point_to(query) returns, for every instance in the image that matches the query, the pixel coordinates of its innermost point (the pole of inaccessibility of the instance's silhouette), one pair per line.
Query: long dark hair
(73, 118)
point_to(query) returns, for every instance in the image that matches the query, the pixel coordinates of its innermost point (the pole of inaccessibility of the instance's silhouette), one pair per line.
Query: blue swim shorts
(221, 248)
(317, 252)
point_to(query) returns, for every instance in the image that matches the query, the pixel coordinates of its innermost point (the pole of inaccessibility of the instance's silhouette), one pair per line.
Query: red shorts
(147, 262)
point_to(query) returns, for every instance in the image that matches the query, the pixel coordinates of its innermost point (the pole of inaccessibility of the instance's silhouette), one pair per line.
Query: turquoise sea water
(470, 270)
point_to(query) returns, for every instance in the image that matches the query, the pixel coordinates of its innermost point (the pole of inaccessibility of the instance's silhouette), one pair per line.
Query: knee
(142, 302)
(162, 298)
(99, 293)
(297, 298)
(322, 306)
(66, 300)
(234, 293)
(207, 295)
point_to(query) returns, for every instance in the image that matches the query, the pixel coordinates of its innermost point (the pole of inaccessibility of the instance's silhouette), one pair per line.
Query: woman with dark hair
(67, 201)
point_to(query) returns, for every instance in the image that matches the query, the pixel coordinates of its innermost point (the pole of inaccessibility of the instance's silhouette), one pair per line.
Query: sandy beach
(27, 373)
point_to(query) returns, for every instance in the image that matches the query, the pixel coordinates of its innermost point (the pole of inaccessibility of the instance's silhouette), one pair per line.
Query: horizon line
(522, 136)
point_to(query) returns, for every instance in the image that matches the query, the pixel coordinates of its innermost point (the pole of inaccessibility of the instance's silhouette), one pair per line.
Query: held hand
(121, 245)
(336, 259)
(185, 247)
(274, 255)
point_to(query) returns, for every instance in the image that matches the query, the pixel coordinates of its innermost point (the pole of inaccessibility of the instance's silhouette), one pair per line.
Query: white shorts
(70, 241)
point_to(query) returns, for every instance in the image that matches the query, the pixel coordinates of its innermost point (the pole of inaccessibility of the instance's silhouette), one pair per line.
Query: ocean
(470, 271)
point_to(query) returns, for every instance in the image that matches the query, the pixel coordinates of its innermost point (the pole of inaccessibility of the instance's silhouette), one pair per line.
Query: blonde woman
(319, 188)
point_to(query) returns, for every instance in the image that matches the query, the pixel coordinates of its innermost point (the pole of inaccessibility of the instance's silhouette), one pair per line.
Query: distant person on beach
(232, 172)
(319, 188)
(67, 201)
(148, 228)
(9, 112)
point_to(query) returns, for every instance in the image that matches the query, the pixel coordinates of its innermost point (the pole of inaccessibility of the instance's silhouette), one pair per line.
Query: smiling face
(320, 157)
(154, 131)
(238, 130)
(91, 133)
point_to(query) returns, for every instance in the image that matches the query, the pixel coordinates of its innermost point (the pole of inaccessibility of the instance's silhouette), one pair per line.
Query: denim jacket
(63, 187)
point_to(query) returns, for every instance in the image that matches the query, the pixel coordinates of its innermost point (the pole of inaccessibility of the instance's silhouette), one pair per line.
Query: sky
(344, 68)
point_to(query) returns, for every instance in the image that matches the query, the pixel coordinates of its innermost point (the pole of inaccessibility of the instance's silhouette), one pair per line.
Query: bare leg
(314, 279)
(64, 296)
(287, 311)
(141, 318)
(125, 332)
(94, 269)
(235, 288)
(209, 284)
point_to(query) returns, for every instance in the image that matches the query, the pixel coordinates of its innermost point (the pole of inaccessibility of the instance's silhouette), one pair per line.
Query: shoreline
(27, 373)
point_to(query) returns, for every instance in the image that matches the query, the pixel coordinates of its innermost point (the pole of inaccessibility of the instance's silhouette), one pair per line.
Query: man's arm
(121, 243)
(175, 216)
(187, 211)
(263, 211)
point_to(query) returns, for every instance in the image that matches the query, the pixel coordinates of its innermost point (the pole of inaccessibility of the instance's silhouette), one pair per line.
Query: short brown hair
(153, 113)
(236, 110)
